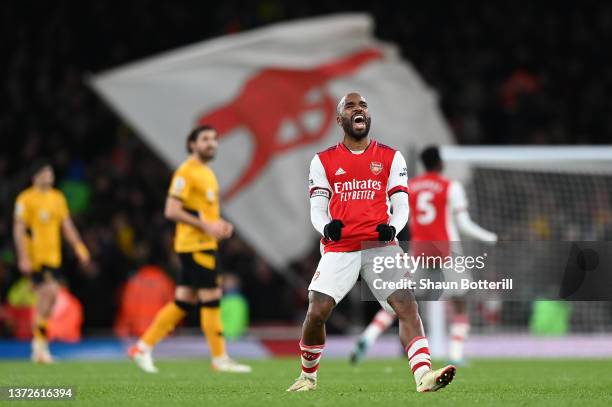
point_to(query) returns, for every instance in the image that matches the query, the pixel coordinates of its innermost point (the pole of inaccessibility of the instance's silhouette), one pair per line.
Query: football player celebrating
(352, 185)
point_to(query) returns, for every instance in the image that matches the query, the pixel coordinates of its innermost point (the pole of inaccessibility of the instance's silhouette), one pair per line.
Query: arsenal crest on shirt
(376, 167)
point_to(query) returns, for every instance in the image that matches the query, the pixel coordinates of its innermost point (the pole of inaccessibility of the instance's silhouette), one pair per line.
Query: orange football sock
(39, 329)
(210, 320)
(165, 321)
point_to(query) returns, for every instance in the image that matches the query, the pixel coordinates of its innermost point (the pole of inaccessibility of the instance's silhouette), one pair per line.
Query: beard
(347, 125)
(206, 155)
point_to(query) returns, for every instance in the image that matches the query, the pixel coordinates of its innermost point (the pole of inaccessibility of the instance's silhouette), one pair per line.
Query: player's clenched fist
(229, 229)
(386, 233)
(219, 229)
(333, 230)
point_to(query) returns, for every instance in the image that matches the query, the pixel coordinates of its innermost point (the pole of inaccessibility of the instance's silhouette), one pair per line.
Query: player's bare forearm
(219, 229)
(174, 211)
(70, 232)
(73, 237)
(19, 236)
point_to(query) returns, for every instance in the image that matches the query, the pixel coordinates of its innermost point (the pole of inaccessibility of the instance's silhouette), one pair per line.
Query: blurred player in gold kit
(41, 217)
(193, 203)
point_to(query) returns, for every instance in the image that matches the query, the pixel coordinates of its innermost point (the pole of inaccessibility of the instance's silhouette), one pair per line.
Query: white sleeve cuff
(399, 218)
(318, 212)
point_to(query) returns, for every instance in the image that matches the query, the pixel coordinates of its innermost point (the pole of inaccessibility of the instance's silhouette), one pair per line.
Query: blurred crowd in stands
(504, 73)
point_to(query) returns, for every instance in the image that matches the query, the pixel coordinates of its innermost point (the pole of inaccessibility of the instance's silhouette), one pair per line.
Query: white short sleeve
(317, 180)
(398, 175)
(456, 197)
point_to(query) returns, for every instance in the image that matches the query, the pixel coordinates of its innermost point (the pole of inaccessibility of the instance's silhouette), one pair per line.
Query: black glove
(333, 230)
(386, 233)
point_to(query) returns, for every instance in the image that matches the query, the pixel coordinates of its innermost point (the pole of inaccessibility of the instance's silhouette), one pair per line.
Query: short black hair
(430, 157)
(193, 134)
(38, 165)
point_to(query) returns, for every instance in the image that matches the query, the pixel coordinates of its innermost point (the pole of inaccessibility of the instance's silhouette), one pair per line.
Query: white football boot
(143, 358)
(304, 383)
(40, 352)
(227, 364)
(434, 380)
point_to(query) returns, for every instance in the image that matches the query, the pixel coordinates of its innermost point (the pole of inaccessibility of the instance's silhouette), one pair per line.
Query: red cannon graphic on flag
(273, 96)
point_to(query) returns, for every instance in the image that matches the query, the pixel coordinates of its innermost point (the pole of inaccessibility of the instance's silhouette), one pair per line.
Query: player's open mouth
(359, 121)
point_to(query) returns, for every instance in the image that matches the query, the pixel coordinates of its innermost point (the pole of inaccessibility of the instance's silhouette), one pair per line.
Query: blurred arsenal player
(439, 210)
(352, 186)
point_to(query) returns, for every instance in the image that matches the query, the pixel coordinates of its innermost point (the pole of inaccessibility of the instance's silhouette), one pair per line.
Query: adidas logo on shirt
(340, 171)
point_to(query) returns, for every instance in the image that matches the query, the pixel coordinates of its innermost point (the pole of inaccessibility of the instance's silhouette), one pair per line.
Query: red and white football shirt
(359, 186)
(433, 201)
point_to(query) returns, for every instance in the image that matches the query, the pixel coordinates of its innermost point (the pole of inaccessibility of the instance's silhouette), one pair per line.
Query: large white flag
(271, 93)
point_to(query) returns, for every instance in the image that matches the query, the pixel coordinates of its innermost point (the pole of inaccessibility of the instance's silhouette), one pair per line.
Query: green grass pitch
(375, 382)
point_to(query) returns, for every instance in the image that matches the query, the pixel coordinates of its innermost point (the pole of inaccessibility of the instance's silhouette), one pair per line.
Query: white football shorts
(337, 273)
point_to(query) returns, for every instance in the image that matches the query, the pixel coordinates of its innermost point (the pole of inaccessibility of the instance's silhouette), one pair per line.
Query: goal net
(537, 194)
